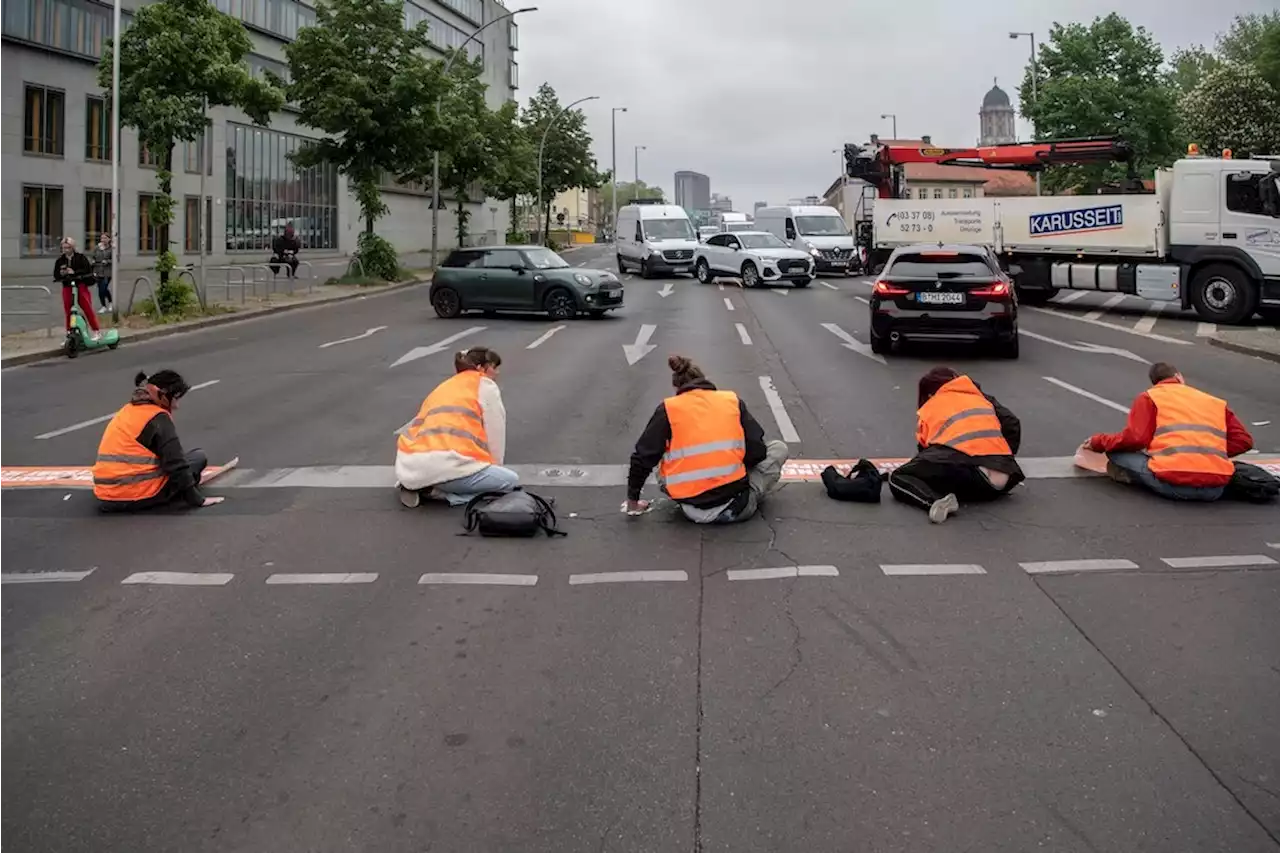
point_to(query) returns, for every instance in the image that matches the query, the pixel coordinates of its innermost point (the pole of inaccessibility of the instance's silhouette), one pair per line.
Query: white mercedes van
(819, 230)
(655, 239)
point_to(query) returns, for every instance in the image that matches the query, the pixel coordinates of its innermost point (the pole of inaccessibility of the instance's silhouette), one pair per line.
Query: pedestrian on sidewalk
(73, 270)
(453, 450)
(711, 454)
(102, 270)
(965, 442)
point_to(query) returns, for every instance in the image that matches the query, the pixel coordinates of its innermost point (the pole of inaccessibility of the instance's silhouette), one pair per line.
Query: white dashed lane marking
(742, 333)
(57, 432)
(1058, 566)
(1219, 562)
(782, 572)
(1087, 394)
(180, 578)
(45, 577)
(477, 579)
(323, 578)
(627, 577)
(728, 303)
(934, 569)
(544, 337)
(786, 428)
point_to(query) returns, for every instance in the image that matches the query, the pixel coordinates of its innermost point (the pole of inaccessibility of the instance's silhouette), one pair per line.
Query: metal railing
(48, 329)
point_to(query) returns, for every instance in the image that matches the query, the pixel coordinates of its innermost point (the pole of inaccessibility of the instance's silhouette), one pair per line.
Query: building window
(968, 193)
(513, 35)
(513, 75)
(41, 221)
(470, 9)
(146, 159)
(97, 216)
(281, 18)
(46, 116)
(951, 193)
(198, 154)
(191, 222)
(266, 191)
(441, 33)
(97, 129)
(937, 193)
(148, 234)
(80, 27)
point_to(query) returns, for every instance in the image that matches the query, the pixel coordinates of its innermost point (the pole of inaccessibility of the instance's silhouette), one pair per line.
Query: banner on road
(75, 477)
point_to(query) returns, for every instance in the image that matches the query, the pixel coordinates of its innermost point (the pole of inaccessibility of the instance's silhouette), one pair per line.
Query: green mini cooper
(521, 278)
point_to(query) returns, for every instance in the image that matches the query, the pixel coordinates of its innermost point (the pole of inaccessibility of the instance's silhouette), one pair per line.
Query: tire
(645, 271)
(1223, 293)
(802, 282)
(702, 271)
(750, 275)
(447, 302)
(1008, 349)
(116, 345)
(622, 268)
(559, 304)
(881, 345)
(1037, 296)
(596, 313)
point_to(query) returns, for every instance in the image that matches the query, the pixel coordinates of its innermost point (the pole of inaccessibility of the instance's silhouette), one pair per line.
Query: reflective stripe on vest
(1191, 432)
(125, 470)
(960, 417)
(450, 420)
(707, 443)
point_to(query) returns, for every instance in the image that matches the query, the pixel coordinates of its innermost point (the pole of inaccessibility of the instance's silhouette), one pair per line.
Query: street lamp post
(639, 148)
(1035, 97)
(114, 225)
(435, 156)
(893, 116)
(543, 143)
(613, 223)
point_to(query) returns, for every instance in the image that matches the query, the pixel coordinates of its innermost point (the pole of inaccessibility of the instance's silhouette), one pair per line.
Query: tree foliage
(628, 191)
(1189, 67)
(1103, 79)
(469, 138)
(361, 78)
(1254, 40)
(1233, 107)
(567, 161)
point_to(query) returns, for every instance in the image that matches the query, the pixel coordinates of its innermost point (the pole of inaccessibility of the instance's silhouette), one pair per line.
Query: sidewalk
(1255, 342)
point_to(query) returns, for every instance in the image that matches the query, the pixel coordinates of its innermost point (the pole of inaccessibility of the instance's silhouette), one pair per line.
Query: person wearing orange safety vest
(453, 449)
(1178, 441)
(140, 461)
(710, 452)
(965, 443)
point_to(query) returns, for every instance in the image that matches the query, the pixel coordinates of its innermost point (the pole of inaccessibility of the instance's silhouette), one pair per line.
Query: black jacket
(1010, 426)
(160, 436)
(81, 270)
(657, 435)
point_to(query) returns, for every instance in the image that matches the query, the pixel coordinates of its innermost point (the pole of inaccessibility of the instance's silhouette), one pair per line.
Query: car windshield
(762, 241)
(821, 226)
(938, 265)
(739, 226)
(545, 259)
(668, 229)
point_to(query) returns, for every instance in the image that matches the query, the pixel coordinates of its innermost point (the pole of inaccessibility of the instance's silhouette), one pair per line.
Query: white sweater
(421, 470)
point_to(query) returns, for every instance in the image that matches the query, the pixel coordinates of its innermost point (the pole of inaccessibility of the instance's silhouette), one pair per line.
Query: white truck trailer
(1207, 238)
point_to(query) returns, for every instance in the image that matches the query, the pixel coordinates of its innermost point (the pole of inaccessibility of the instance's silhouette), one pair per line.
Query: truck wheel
(1037, 296)
(1223, 293)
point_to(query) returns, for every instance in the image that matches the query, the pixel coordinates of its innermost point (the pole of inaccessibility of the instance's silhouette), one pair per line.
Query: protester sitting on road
(1178, 441)
(966, 443)
(453, 449)
(73, 270)
(285, 248)
(711, 454)
(141, 463)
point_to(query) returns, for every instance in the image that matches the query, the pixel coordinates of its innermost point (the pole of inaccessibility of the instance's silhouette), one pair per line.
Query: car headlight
(582, 279)
(813, 250)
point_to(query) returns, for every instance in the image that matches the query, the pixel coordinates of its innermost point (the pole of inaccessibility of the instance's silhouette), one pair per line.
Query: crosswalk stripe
(1106, 306)
(1205, 330)
(1072, 296)
(1147, 323)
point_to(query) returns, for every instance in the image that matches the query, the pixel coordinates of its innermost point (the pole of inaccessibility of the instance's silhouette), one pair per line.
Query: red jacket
(1141, 428)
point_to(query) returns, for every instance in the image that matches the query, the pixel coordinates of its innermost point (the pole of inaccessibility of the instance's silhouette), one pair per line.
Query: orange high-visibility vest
(960, 417)
(707, 443)
(1191, 432)
(124, 469)
(450, 419)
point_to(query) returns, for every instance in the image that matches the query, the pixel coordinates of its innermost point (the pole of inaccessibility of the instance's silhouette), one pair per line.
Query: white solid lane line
(1067, 315)
(1056, 566)
(864, 300)
(720, 285)
(1081, 346)
(1088, 394)
(1070, 297)
(1115, 300)
(322, 578)
(1147, 323)
(545, 337)
(366, 334)
(57, 432)
(478, 579)
(627, 577)
(1224, 562)
(851, 343)
(728, 303)
(1205, 330)
(780, 291)
(742, 333)
(785, 427)
(828, 285)
(45, 577)
(934, 569)
(783, 572)
(181, 578)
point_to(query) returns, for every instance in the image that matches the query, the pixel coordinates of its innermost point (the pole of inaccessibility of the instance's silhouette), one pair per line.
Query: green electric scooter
(79, 335)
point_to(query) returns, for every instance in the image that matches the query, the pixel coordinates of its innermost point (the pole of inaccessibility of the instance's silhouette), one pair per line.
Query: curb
(1245, 349)
(210, 322)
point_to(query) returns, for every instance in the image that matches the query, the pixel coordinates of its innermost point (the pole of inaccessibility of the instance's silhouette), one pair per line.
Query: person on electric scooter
(73, 270)
(141, 463)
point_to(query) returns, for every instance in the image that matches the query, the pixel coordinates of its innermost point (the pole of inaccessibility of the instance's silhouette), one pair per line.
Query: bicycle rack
(47, 292)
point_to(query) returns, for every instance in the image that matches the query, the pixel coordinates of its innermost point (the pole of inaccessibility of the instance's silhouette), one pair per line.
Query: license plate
(839, 263)
(940, 298)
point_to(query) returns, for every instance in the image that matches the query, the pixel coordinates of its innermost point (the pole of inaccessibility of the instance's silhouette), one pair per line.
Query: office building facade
(57, 171)
(693, 191)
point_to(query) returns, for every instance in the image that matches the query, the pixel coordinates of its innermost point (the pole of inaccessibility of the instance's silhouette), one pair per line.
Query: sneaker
(95, 335)
(408, 497)
(942, 508)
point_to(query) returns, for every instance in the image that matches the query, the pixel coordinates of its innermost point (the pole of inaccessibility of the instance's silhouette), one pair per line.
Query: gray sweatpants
(763, 479)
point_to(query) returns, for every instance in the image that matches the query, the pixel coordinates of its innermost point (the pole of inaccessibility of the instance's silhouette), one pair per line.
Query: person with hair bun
(453, 449)
(141, 463)
(710, 452)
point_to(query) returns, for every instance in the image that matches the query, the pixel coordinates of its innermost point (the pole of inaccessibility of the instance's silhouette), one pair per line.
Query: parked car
(521, 278)
(756, 257)
(944, 293)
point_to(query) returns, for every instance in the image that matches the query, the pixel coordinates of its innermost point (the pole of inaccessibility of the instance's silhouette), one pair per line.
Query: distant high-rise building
(721, 203)
(693, 191)
(759, 205)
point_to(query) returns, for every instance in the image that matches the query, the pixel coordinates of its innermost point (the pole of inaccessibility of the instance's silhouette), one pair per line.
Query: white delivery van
(729, 221)
(655, 239)
(819, 230)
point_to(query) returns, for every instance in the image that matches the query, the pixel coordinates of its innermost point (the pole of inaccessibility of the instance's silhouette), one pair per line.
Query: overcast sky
(758, 94)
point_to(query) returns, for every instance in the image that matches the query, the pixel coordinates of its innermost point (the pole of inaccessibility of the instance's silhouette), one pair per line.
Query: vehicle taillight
(884, 288)
(996, 288)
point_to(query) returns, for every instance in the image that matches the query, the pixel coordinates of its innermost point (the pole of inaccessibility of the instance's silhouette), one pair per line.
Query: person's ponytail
(683, 371)
(139, 379)
(475, 358)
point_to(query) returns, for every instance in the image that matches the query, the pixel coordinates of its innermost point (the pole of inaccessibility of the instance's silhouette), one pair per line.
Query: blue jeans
(495, 478)
(1138, 465)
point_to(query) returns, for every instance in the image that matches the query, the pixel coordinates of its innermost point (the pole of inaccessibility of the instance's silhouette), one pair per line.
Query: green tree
(465, 138)
(628, 191)
(1254, 40)
(1233, 107)
(1190, 66)
(567, 161)
(514, 173)
(1103, 79)
(177, 58)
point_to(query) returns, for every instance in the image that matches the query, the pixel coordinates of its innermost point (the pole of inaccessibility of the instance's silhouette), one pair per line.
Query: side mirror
(518, 268)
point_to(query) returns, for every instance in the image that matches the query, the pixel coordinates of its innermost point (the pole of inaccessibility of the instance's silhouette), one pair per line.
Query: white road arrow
(1082, 346)
(367, 333)
(852, 343)
(641, 347)
(422, 352)
(780, 291)
(666, 290)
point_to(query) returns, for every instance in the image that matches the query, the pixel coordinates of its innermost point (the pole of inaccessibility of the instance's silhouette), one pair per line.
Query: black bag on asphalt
(515, 513)
(1253, 484)
(861, 486)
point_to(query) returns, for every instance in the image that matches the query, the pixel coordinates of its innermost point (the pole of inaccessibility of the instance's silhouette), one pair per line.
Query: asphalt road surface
(893, 686)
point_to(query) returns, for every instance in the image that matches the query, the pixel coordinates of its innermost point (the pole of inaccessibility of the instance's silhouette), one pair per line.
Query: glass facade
(97, 217)
(442, 34)
(197, 154)
(191, 224)
(148, 234)
(266, 191)
(74, 26)
(281, 18)
(97, 128)
(41, 221)
(45, 118)
(473, 10)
